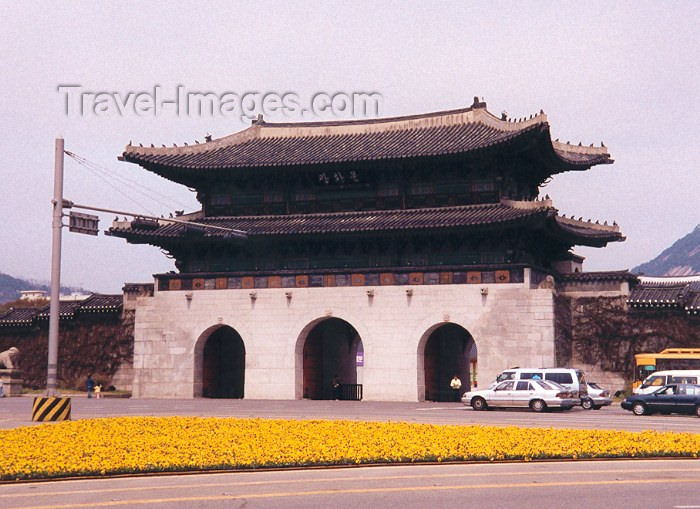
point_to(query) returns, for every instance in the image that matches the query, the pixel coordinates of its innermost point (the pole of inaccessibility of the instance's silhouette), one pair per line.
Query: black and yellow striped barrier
(51, 409)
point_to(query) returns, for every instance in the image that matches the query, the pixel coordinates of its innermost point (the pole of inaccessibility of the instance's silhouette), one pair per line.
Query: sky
(622, 73)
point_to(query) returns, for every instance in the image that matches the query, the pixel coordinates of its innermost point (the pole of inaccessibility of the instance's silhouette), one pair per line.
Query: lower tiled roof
(344, 222)
(493, 215)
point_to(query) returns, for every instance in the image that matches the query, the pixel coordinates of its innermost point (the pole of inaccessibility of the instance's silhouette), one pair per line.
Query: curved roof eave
(585, 233)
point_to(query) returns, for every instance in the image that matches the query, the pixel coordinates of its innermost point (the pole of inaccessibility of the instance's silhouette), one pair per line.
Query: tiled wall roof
(673, 294)
(96, 303)
(616, 275)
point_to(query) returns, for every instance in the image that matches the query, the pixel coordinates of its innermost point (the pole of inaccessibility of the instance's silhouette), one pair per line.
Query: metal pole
(237, 233)
(56, 225)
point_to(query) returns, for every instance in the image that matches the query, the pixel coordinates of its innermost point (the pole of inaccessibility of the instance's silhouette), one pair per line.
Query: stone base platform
(12, 382)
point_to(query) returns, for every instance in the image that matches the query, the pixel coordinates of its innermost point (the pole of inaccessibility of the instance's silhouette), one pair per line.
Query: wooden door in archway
(313, 367)
(223, 373)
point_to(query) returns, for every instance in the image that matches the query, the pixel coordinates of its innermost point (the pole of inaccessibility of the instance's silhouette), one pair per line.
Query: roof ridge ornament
(477, 104)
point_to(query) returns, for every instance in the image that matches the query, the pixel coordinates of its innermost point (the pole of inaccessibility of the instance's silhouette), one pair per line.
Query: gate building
(390, 253)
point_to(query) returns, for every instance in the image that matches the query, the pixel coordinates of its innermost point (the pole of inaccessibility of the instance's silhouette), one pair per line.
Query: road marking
(328, 479)
(212, 498)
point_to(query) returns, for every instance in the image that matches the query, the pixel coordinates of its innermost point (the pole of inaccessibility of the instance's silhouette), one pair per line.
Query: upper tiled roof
(657, 293)
(442, 133)
(458, 217)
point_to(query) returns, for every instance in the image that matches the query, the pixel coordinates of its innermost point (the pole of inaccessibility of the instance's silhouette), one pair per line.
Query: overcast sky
(625, 73)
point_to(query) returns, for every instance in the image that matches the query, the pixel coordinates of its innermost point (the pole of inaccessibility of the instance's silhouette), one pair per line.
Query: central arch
(331, 350)
(220, 361)
(449, 350)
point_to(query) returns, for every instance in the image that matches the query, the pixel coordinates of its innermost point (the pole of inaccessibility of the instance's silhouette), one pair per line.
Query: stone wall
(93, 343)
(602, 334)
(512, 325)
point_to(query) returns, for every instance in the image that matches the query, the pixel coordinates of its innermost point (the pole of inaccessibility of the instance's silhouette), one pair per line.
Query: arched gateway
(449, 350)
(220, 361)
(330, 349)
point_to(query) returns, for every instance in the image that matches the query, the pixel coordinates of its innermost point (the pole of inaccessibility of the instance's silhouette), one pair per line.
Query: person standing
(456, 385)
(90, 385)
(337, 388)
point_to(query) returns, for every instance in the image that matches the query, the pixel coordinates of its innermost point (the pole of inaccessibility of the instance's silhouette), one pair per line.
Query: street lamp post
(56, 226)
(51, 407)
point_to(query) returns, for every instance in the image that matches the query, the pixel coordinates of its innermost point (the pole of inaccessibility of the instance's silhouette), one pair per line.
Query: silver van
(573, 379)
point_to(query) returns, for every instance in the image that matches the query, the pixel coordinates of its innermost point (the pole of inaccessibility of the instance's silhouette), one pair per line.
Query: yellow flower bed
(155, 444)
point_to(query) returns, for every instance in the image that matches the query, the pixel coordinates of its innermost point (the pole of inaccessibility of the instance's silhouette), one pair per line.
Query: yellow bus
(671, 358)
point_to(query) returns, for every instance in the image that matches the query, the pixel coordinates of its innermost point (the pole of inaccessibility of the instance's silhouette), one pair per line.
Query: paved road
(16, 412)
(581, 484)
(541, 485)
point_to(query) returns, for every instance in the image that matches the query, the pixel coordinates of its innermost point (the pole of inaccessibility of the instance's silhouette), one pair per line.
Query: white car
(573, 379)
(538, 395)
(597, 397)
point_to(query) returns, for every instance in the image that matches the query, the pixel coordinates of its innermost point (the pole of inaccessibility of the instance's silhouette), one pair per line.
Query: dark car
(669, 399)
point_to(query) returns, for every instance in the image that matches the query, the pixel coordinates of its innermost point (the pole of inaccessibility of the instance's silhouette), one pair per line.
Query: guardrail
(351, 392)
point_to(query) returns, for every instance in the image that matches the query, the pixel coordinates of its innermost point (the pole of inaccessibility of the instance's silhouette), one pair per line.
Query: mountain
(11, 286)
(681, 259)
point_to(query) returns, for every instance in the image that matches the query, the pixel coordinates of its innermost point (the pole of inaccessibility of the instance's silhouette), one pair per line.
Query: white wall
(512, 325)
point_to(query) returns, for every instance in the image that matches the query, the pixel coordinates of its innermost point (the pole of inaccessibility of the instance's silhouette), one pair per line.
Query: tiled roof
(617, 275)
(692, 304)
(19, 316)
(435, 134)
(97, 303)
(658, 294)
(459, 217)
(67, 310)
